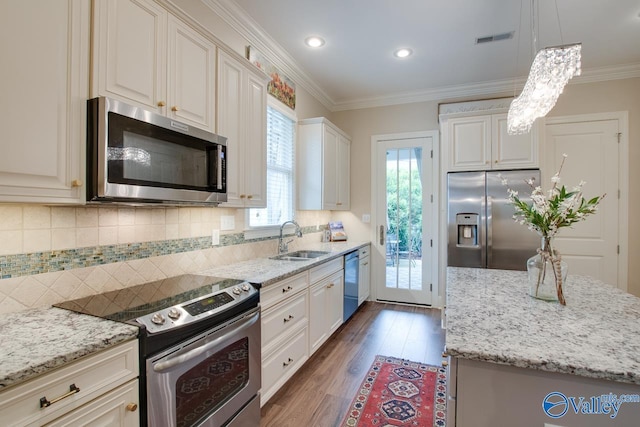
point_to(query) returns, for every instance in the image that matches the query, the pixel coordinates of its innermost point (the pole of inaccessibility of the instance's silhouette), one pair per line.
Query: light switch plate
(227, 222)
(366, 218)
(215, 237)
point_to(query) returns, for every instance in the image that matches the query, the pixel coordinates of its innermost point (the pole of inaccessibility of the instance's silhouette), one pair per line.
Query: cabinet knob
(242, 196)
(249, 197)
(496, 161)
(175, 108)
(161, 104)
(330, 285)
(339, 204)
(131, 407)
(76, 183)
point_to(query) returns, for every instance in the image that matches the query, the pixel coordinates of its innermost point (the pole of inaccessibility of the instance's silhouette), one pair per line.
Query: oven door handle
(177, 360)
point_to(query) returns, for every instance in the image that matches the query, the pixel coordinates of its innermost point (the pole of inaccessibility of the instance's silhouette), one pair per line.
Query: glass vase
(547, 274)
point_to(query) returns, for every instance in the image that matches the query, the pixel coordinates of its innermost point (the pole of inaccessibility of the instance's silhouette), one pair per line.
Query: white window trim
(274, 230)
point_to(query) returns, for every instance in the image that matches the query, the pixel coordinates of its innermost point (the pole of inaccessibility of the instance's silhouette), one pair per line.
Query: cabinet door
(255, 158)
(45, 72)
(119, 407)
(364, 278)
(469, 140)
(191, 76)
(130, 44)
(318, 332)
(230, 95)
(335, 302)
(344, 182)
(512, 151)
(330, 168)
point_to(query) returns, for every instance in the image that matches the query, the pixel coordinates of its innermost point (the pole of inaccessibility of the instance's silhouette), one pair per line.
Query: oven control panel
(196, 309)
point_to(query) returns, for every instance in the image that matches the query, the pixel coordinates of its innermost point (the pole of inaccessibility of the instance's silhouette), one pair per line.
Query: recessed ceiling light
(314, 41)
(402, 53)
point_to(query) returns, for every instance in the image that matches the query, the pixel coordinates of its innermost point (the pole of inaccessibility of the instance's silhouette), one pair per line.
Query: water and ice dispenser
(467, 224)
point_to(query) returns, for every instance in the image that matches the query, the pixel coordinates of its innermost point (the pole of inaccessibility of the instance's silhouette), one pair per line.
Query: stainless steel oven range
(199, 348)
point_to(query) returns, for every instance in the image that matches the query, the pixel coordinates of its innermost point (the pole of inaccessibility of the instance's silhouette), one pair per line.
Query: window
(280, 158)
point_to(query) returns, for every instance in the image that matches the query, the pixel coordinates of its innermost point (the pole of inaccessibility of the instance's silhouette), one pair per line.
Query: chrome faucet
(283, 246)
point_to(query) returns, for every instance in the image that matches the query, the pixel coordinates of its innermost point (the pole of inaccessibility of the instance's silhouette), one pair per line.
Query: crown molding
(484, 89)
(257, 37)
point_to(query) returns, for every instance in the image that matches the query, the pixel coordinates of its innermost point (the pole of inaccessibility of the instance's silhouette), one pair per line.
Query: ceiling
(356, 66)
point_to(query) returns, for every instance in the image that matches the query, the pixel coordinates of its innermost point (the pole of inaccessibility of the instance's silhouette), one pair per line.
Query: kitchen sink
(299, 255)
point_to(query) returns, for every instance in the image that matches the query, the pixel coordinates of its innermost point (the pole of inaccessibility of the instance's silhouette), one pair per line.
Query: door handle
(382, 234)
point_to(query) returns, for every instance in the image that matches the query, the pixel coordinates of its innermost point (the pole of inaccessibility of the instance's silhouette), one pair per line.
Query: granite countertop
(266, 271)
(33, 342)
(491, 318)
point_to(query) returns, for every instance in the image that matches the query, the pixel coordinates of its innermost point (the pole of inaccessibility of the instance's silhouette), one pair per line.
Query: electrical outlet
(366, 218)
(215, 237)
(227, 222)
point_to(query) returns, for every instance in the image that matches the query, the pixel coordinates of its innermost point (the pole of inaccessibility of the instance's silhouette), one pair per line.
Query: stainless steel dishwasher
(351, 262)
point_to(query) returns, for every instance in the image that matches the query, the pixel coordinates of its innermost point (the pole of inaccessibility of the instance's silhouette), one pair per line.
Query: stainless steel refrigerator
(482, 232)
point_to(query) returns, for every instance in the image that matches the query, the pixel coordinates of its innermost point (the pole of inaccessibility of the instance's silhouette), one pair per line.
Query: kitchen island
(509, 351)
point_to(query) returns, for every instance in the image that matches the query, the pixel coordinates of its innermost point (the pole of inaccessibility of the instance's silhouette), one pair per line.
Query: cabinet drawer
(273, 294)
(279, 367)
(93, 375)
(282, 318)
(323, 270)
(363, 251)
(119, 407)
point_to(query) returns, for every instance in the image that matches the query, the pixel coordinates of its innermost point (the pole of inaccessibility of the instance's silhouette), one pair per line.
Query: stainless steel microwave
(135, 156)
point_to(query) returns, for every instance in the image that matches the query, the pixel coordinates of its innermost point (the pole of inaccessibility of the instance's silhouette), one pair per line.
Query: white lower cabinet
(278, 367)
(297, 318)
(326, 301)
(116, 408)
(284, 331)
(101, 389)
(364, 279)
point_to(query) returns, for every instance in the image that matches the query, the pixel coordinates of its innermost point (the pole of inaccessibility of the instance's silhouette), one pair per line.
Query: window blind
(280, 157)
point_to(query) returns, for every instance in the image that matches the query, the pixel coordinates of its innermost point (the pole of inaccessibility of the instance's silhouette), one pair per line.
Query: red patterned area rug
(397, 392)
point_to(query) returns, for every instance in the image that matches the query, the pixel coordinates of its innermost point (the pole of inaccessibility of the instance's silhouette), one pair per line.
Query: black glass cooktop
(130, 303)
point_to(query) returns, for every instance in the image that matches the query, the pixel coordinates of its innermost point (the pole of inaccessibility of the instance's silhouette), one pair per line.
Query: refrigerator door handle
(489, 231)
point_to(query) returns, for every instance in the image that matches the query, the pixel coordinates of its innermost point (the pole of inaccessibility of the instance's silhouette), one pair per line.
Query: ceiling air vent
(495, 37)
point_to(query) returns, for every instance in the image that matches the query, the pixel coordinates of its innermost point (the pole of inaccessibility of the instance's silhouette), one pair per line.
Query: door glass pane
(404, 219)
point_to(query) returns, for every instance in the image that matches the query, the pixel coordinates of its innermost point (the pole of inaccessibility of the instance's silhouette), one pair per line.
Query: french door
(405, 219)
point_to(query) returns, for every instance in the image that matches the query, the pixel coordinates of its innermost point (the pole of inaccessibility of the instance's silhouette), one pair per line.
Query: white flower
(555, 179)
(565, 155)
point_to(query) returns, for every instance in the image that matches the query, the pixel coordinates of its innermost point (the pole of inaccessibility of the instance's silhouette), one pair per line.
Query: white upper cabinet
(191, 76)
(145, 56)
(45, 70)
(475, 134)
(242, 119)
(512, 151)
(129, 52)
(323, 166)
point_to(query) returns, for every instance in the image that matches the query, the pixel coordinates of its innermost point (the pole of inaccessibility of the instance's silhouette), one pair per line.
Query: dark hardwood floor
(320, 392)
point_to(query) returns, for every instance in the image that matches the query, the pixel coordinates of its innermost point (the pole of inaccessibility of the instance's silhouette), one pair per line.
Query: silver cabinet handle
(288, 319)
(287, 363)
(287, 289)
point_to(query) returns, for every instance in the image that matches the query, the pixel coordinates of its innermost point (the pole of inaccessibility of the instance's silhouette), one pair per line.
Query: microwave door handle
(191, 354)
(219, 166)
